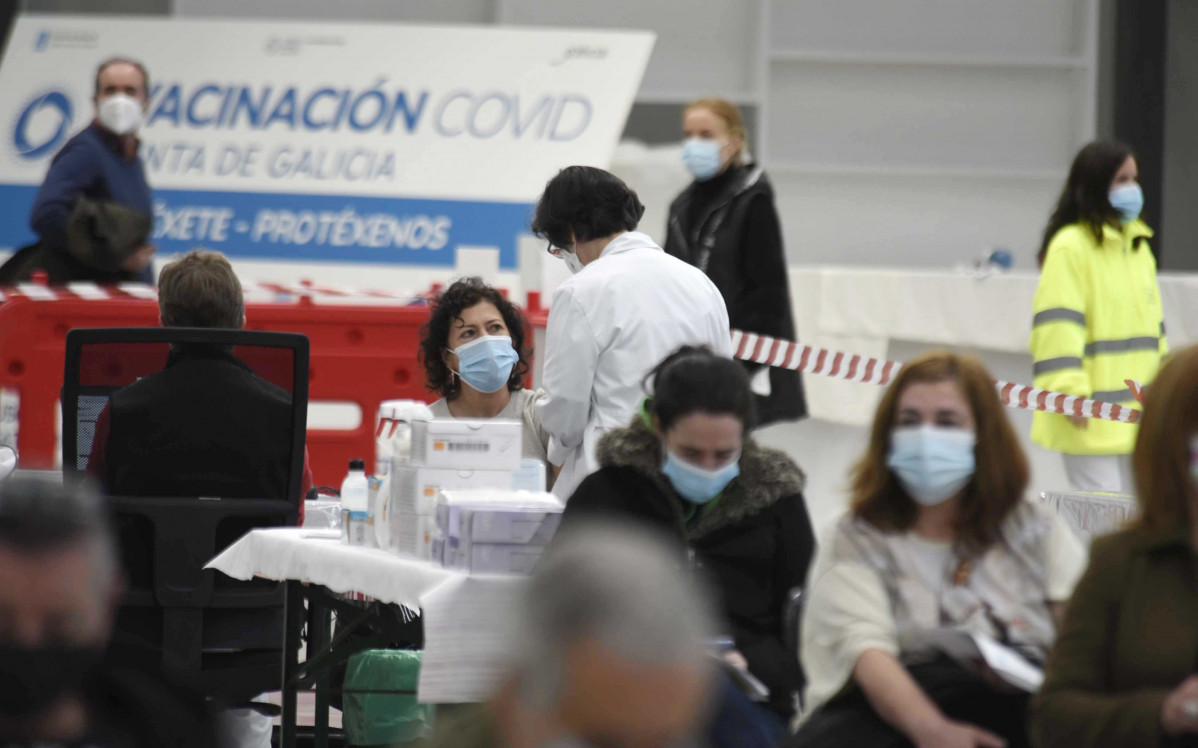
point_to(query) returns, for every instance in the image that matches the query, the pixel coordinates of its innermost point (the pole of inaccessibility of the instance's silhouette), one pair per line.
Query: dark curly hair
(587, 202)
(434, 336)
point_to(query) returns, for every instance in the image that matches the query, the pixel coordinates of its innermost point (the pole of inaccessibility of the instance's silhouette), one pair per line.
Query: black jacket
(755, 542)
(205, 425)
(728, 228)
(99, 235)
(130, 708)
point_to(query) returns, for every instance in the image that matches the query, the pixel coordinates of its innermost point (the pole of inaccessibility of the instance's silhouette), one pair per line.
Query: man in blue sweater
(101, 164)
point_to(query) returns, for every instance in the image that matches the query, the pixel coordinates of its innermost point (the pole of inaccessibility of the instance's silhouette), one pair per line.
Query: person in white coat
(627, 307)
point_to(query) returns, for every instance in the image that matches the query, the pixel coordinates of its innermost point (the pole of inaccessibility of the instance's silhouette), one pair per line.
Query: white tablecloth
(295, 554)
(466, 619)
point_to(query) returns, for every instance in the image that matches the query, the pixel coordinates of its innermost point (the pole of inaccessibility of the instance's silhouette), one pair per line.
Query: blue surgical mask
(702, 157)
(486, 364)
(696, 484)
(1128, 200)
(933, 463)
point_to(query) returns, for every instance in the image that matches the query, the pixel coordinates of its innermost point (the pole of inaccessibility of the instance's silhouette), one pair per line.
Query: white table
(466, 619)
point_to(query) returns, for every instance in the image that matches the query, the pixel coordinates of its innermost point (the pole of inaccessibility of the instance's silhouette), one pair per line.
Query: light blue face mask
(1128, 200)
(486, 364)
(933, 463)
(702, 157)
(696, 484)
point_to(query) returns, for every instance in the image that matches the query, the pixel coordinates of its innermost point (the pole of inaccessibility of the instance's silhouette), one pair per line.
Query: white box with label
(415, 489)
(414, 535)
(460, 444)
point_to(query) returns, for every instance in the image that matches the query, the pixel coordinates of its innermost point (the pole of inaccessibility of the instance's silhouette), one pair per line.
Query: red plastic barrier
(359, 354)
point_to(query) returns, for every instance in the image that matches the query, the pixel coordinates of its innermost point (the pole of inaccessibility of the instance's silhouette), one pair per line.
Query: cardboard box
(491, 558)
(459, 444)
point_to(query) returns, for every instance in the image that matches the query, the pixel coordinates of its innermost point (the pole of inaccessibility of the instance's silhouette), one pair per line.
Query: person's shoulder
(757, 184)
(1072, 240)
(772, 472)
(440, 408)
(528, 399)
(1119, 548)
(86, 140)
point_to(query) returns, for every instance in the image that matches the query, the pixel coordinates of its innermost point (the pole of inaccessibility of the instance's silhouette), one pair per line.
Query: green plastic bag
(379, 699)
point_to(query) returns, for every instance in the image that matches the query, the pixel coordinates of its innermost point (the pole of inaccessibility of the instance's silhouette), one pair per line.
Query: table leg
(318, 639)
(292, 631)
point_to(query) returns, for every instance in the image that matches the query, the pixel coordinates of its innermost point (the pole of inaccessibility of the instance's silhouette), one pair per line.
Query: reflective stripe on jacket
(1097, 322)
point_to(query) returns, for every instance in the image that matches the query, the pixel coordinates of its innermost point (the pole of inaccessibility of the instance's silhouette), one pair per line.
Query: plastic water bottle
(357, 521)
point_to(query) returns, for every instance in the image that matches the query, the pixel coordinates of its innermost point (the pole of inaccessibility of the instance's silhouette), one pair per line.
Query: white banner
(319, 141)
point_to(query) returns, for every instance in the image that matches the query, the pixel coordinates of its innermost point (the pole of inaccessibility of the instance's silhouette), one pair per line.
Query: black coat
(728, 228)
(755, 542)
(205, 425)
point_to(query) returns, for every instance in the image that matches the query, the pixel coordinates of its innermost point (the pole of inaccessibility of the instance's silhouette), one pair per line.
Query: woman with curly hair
(474, 355)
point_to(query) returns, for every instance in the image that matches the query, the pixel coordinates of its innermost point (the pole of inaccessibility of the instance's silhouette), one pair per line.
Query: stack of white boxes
(494, 532)
(451, 455)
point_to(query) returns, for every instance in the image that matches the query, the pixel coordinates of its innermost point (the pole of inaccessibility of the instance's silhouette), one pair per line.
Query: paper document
(744, 680)
(760, 382)
(975, 650)
(468, 638)
(1009, 664)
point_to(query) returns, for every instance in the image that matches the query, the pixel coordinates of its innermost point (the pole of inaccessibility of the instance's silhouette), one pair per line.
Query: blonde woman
(725, 224)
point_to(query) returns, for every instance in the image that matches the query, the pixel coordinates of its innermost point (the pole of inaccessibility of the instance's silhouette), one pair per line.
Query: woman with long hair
(1097, 313)
(1124, 670)
(939, 549)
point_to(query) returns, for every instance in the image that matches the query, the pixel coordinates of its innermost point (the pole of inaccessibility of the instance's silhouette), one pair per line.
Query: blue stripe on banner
(328, 228)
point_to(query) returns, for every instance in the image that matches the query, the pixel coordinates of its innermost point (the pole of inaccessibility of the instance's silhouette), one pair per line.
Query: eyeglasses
(555, 251)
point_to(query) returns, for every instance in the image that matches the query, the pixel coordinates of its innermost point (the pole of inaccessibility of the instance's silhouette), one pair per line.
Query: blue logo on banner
(54, 106)
(42, 41)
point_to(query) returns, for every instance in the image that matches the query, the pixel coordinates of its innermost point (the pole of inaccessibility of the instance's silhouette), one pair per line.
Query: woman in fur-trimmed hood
(687, 466)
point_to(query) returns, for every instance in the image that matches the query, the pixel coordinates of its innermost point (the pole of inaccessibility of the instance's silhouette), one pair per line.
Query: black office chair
(225, 635)
(792, 618)
(182, 615)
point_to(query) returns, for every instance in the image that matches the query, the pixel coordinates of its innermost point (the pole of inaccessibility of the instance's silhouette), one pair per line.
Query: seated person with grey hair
(59, 591)
(612, 651)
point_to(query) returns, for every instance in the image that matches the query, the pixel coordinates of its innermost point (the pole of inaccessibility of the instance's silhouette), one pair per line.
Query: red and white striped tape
(272, 291)
(852, 367)
(761, 349)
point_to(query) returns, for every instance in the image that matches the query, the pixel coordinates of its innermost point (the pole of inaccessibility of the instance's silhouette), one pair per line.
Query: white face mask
(572, 262)
(120, 114)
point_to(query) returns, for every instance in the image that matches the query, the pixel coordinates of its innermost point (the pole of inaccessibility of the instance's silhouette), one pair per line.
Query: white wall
(910, 132)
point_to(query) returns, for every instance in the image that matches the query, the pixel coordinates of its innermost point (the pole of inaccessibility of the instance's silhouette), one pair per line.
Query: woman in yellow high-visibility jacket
(1098, 319)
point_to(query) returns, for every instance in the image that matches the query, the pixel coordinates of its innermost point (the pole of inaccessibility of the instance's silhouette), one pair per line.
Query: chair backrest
(102, 361)
(179, 601)
(792, 635)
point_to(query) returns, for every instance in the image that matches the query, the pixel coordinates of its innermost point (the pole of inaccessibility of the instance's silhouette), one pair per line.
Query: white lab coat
(609, 325)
